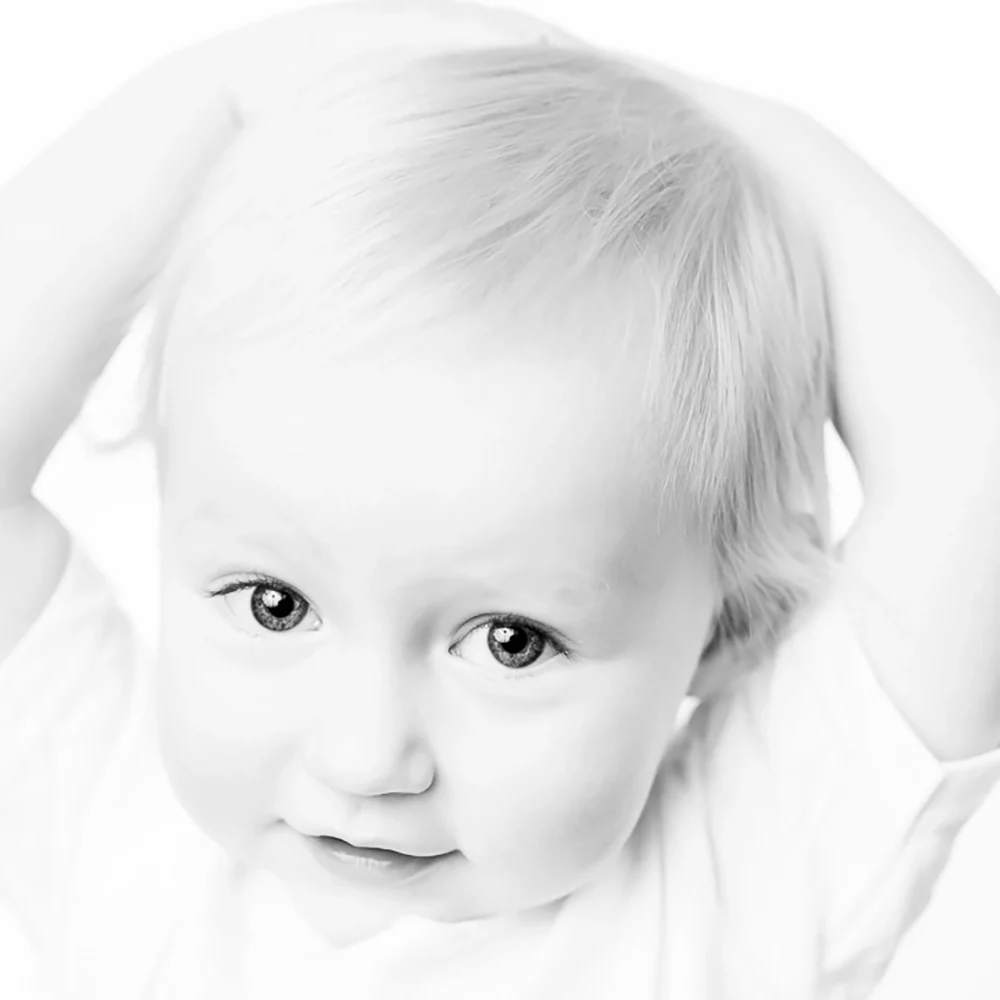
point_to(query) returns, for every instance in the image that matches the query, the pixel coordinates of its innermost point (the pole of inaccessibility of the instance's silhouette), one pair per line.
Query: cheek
(222, 753)
(543, 803)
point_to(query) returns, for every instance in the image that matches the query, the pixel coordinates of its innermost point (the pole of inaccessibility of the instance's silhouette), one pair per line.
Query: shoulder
(66, 690)
(35, 547)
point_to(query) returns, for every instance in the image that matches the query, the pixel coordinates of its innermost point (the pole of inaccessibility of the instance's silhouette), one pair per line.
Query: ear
(720, 665)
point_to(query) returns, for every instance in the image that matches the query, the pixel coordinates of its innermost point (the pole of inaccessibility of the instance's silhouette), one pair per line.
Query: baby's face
(454, 626)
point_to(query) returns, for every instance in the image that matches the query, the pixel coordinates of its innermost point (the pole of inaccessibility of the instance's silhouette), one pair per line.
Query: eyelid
(559, 640)
(247, 581)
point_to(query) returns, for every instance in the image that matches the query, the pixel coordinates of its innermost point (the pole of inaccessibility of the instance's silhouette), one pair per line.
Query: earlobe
(713, 638)
(718, 666)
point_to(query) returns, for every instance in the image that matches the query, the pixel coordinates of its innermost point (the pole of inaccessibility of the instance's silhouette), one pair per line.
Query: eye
(511, 641)
(273, 605)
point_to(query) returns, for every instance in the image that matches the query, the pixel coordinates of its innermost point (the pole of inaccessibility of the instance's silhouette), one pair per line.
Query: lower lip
(370, 866)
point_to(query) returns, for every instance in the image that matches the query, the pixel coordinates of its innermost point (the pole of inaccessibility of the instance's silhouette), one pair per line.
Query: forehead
(418, 457)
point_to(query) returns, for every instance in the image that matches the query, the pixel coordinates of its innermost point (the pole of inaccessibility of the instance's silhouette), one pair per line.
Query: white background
(912, 86)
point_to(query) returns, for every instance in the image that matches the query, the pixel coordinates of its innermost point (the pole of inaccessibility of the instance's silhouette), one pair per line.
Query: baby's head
(491, 412)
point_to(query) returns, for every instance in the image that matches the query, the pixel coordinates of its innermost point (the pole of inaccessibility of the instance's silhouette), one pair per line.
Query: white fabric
(793, 837)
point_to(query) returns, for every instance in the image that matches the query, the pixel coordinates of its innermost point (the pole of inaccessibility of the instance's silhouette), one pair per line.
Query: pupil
(274, 599)
(515, 646)
(277, 609)
(513, 640)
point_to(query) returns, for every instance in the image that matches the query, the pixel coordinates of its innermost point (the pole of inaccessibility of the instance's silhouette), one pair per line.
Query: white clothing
(795, 834)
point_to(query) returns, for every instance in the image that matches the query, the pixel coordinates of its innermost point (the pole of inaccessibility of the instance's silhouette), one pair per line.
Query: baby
(488, 391)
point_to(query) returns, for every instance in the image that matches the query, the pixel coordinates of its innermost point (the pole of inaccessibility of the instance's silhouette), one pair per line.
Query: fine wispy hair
(541, 199)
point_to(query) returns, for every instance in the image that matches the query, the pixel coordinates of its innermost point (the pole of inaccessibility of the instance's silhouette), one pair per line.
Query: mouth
(371, 864)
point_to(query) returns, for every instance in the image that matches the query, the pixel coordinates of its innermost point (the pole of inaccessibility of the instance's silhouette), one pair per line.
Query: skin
(917, 366)
(402, 505)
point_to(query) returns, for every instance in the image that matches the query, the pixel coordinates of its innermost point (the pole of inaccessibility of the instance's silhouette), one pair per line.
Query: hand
(917, 401)
(271, 63)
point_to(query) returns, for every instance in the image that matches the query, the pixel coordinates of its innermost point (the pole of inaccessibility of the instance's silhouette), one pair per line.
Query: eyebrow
(583, 594)
(274, 538)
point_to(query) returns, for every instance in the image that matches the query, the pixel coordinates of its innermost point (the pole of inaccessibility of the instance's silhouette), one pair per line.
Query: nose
(367, 737)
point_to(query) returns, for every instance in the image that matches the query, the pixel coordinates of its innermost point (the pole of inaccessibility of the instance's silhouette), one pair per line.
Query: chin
(342, 925)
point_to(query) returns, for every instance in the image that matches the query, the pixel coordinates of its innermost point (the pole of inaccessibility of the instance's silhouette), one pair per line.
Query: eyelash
(250, 581)
(253, 580)
(558, 641)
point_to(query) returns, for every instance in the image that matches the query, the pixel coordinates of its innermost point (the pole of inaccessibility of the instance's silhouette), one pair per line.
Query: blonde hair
(565, 194)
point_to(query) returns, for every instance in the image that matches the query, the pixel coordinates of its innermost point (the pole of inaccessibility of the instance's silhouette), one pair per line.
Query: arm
(86, 227)
(917, 387)
(83, 230)
(917, 401)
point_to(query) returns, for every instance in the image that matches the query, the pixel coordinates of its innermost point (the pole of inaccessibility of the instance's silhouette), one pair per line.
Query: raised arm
(83, 230)
(85, 227)
(917, 339)
(917, 388)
